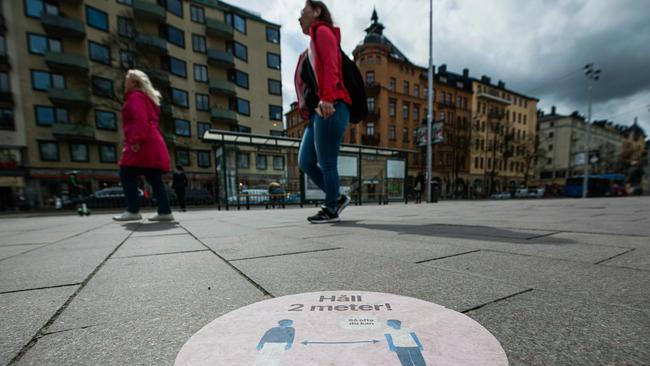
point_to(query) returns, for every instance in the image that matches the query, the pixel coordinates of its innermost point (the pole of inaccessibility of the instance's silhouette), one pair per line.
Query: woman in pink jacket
(145, 153)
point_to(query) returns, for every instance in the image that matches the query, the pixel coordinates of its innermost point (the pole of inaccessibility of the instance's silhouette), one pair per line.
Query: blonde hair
(144, 84)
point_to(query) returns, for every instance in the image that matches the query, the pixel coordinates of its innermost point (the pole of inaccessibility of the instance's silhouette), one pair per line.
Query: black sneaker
(324, 216)
(342, 202)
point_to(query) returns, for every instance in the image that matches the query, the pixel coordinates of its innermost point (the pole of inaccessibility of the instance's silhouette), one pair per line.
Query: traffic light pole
(430, 106)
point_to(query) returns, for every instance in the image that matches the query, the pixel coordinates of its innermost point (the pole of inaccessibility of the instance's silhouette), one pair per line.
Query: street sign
(342, 328)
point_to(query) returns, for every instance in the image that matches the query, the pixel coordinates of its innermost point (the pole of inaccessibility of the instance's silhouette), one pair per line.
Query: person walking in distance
(179, 183)
(325, 102)
(419, 183)
(144, 153)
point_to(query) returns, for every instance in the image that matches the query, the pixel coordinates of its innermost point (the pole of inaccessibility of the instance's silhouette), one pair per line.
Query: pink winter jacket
(140, 123)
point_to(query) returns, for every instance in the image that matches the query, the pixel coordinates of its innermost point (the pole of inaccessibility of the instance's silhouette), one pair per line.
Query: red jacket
(325, 58)
(140, 124)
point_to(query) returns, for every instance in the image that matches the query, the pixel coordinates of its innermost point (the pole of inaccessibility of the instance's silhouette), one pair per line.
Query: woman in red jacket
(145, 152)
(324, 101)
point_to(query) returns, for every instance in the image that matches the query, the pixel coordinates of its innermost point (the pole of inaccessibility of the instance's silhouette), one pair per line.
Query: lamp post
(592, 76)
(430, 106)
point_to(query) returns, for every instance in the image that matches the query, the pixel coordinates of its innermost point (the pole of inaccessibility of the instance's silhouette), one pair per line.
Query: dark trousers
(130, 179)
(180, 195)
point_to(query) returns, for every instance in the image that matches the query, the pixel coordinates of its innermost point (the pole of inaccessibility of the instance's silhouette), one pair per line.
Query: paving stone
(150, 245)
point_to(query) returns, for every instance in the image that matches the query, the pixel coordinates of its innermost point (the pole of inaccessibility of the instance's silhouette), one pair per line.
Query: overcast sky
(538, 47)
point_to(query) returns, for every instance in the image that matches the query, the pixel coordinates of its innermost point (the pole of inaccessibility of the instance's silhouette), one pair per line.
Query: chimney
(553, 111)
(486, 79)
(465, 74)
(442, 69)
(502, 85)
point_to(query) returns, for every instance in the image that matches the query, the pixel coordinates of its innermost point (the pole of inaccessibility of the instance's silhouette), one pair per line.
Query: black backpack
(355, 86)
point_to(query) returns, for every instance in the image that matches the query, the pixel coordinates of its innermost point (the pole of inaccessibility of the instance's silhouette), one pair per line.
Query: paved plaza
(557, 282)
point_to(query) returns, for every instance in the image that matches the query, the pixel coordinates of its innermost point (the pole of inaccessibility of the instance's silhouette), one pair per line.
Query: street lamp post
(430, 106)
(592, 75)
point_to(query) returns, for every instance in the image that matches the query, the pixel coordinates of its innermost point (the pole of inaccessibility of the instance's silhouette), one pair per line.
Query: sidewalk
(558, 282)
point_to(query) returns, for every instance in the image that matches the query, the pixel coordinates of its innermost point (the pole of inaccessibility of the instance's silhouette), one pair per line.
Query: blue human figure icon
(405, 343)
(274, 343)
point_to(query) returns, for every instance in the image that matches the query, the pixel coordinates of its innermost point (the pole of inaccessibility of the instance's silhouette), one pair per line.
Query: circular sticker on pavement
(351, 328)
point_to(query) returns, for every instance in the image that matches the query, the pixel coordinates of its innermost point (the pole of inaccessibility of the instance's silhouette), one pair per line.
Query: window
(175, 66)
(175, 7)
(180, 98)
(278, 163)
(275, 112)
(102, 87)
(202, 102)
(392, 135)
(549, 161)
(550, 147)
(99, 53)
(201, 128)
(416, 113)
(105, 120)
(39, 44)
(416, 90)
(405, 135)
(43, 80)
(405, 111)
(273, 35)
(125, 27)
(203, 159)
(49, 151)
(275, 87)
(273, 61)
(125, 2)
(241, 106)
(201, 73)
(126, 59)
(199, 44)
(79, 153)
(371, 104)
(46, 116)
(370, 129)
(261, 161)
(391, 108)
(174, 35)
(3, 45)
(238, 22)
(96, 18)
(238, 50)
(4, 82)
(276, 133)
(107, 153)
(406, 87)
(197, 14)
(240, 78)
(391, 84)
(182, 128)
(370, 77)
(243, 160)
(183, 157)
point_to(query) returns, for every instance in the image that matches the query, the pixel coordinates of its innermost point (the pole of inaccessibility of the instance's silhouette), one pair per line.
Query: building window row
(79, 152)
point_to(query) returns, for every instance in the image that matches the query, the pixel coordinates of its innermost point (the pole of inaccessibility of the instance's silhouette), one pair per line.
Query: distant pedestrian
(145, 152)
(419, 185)
(634, 178)
(325, 102)
(179, 184)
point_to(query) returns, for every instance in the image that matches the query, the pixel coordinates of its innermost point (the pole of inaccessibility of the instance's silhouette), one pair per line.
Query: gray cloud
(536, 47)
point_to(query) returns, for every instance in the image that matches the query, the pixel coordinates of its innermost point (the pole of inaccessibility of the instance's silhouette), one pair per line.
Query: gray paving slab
(13, 250)
(627, 241)
(609, 284)
(173, 287)
(354, 270)
(66, 262)
(24, 314)
(158, 229)
(542, 328)
(638, 258)
(150, 245)
(259, 244)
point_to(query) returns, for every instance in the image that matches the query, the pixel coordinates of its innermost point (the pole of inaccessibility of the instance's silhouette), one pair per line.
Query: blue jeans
(410, 356)
(319, 152)
(130, 177)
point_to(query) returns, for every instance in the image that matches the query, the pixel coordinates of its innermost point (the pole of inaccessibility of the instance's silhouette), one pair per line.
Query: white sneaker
(162, 217)
(128, 216)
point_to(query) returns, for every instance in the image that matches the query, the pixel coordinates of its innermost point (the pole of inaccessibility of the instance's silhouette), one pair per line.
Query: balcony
(69, 97)
(370, 140)
(73, 132)
(6, 99)
(223, 116)
(59, 26)
(152, 43)
(220, 58)
(66, 62)
(159, 78)
(217, 28)
(373, 115)
(222, 87)
(373, 89)
(143, 9)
